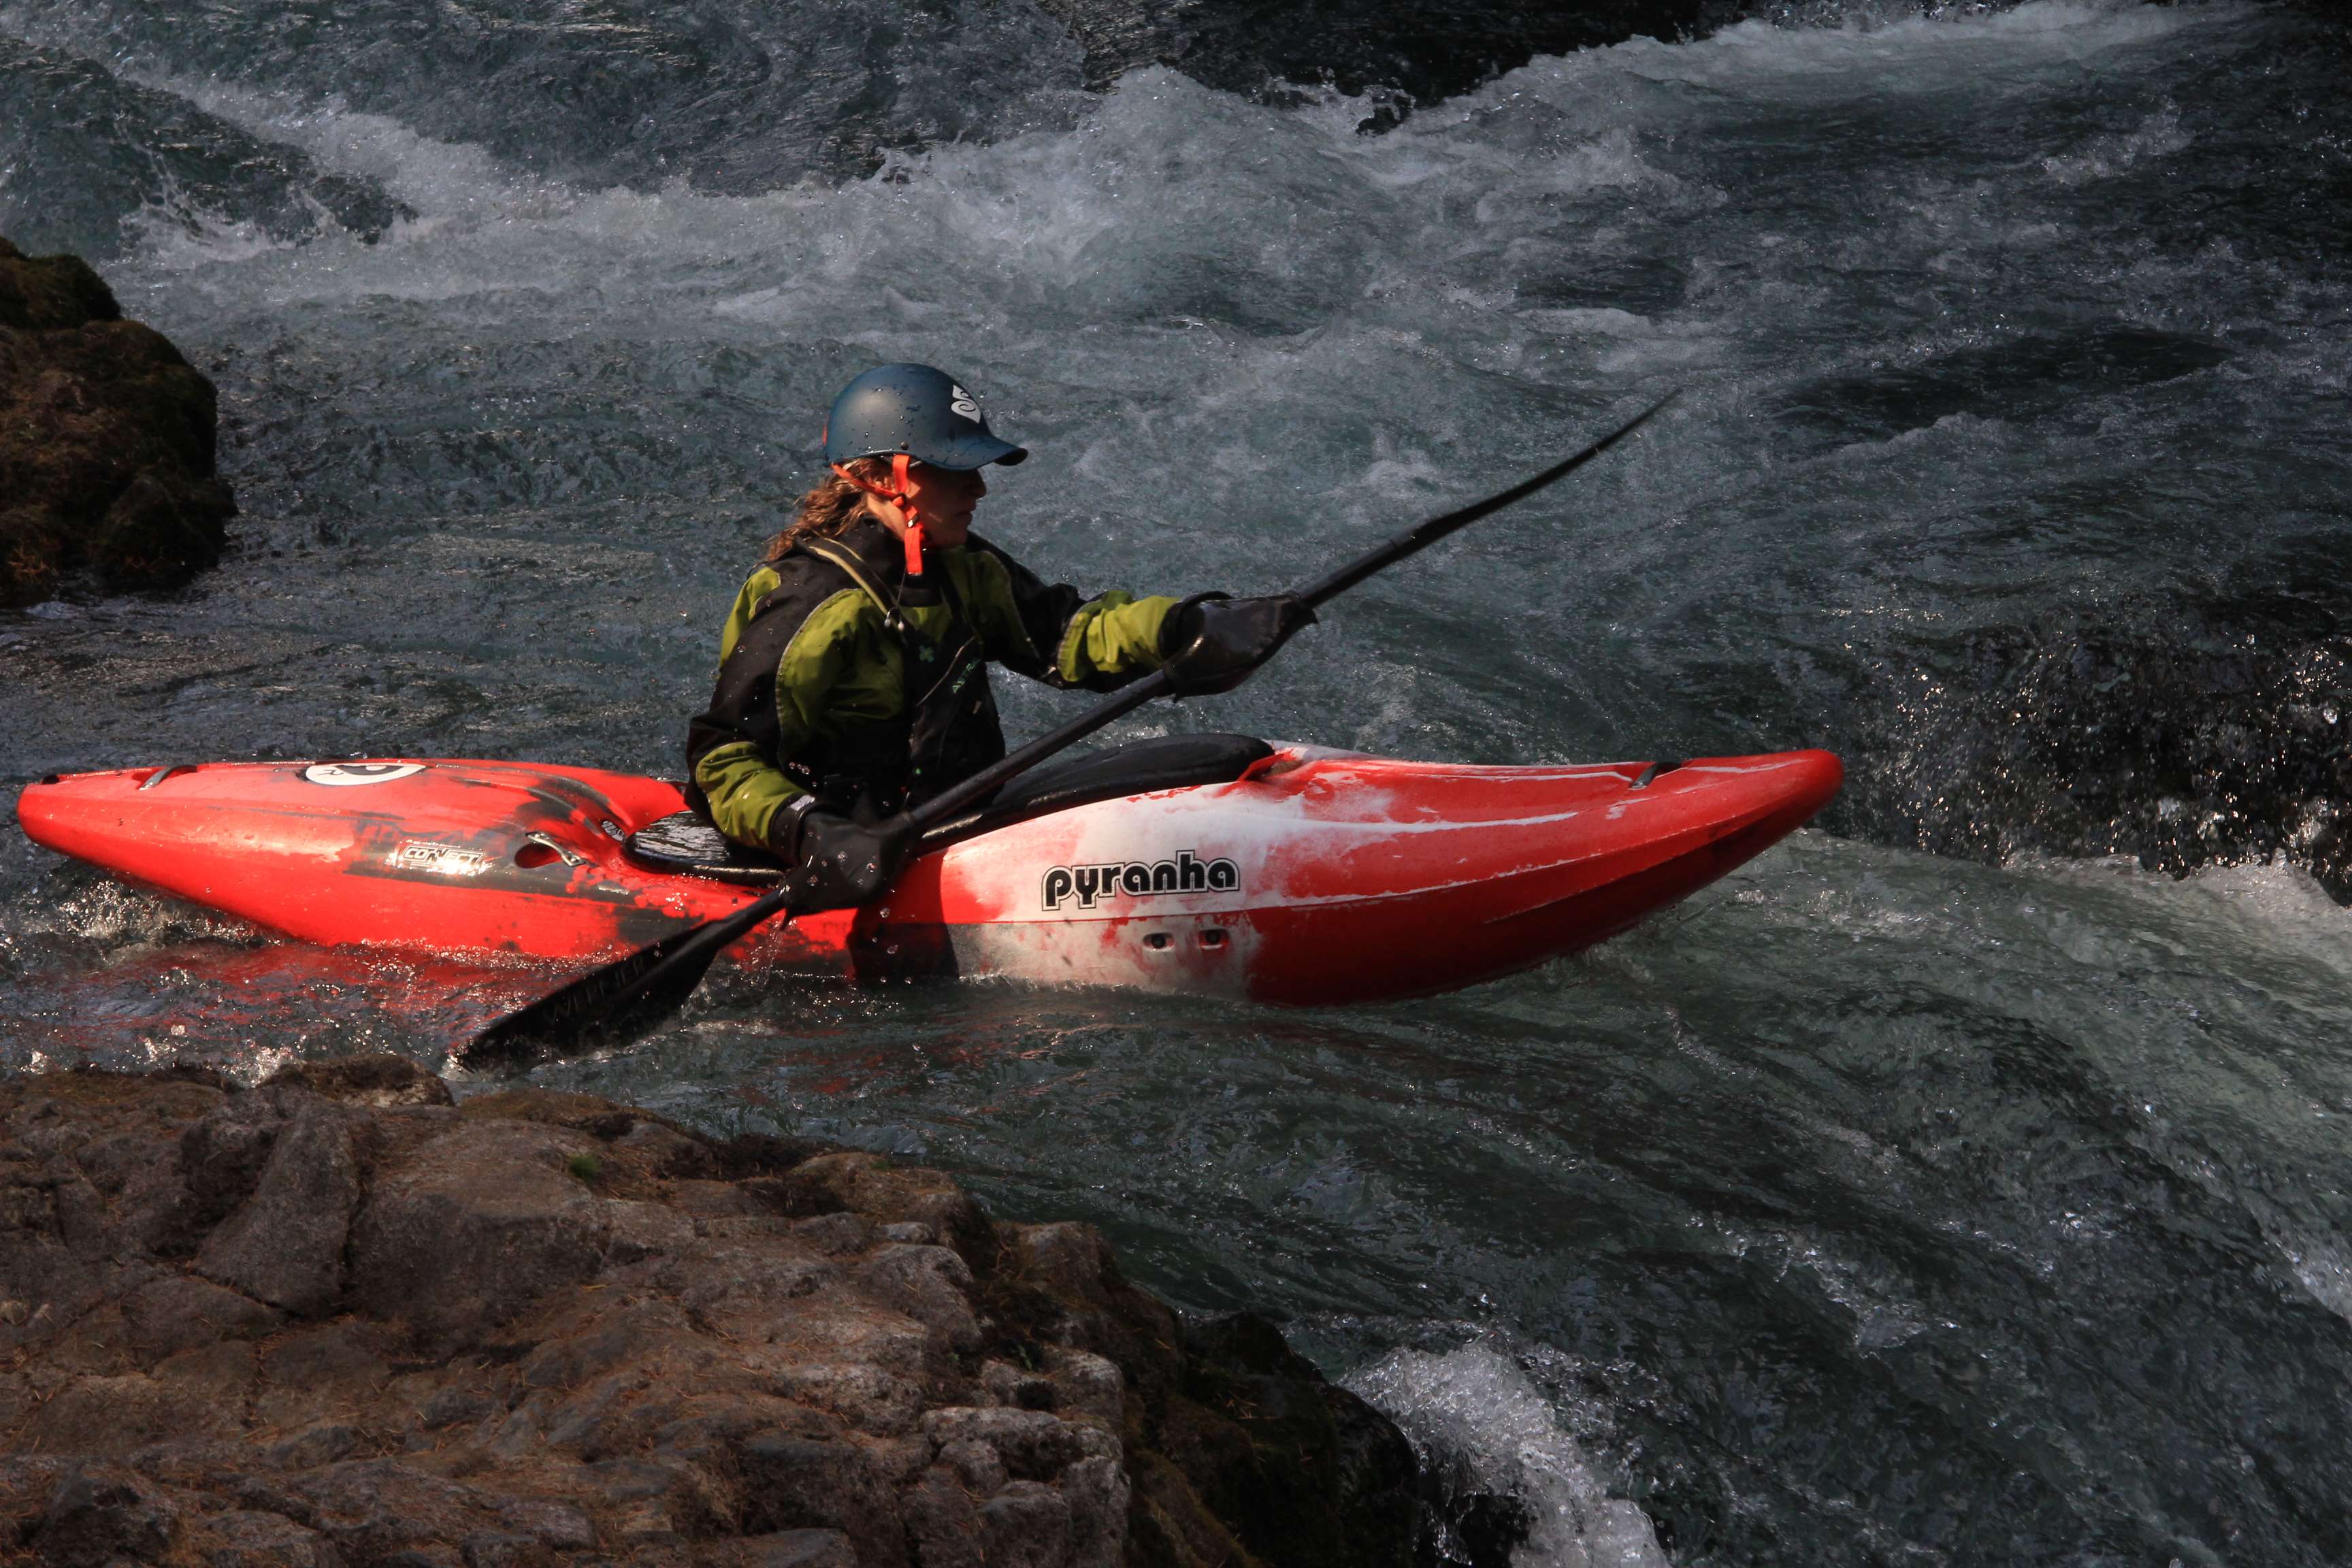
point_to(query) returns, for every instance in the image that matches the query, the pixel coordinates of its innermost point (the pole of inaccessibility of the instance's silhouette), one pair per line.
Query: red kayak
(1205, 864)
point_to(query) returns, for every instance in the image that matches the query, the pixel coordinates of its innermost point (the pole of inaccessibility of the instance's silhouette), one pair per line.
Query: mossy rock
(51, 293)
(106, 438)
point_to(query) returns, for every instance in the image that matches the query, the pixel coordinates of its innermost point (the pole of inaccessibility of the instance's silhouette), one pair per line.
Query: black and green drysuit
(840, 675)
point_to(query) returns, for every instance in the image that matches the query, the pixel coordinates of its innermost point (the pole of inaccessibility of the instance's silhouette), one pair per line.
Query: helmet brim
(974, 452)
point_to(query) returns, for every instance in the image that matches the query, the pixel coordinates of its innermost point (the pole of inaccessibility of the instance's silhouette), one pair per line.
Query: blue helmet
(914, 409)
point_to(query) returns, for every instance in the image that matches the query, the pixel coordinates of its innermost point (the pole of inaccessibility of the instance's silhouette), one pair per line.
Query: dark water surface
(1965, 1182)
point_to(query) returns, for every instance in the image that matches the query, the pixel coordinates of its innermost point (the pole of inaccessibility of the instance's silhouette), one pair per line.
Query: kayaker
(853, 682)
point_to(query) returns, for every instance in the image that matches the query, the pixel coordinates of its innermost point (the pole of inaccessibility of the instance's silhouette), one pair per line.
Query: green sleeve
(1117, 634)
(1047, 632)
(744, 792)
(744, 789)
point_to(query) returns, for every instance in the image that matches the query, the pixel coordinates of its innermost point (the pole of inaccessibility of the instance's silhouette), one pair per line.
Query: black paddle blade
(612, 1006)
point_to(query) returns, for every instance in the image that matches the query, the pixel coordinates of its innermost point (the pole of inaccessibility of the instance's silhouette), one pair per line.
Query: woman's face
(943, 499)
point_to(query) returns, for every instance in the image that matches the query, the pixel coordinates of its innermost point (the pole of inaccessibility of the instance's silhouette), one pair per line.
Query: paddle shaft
(656, 980)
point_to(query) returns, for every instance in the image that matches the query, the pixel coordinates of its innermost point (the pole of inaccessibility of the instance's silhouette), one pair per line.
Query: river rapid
(1962, 1181)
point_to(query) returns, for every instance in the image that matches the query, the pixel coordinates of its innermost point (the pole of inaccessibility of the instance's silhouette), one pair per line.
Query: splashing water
(1479, 1426)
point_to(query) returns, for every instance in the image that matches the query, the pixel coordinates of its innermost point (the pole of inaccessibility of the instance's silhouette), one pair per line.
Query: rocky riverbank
(106, 438)
(341, 1320)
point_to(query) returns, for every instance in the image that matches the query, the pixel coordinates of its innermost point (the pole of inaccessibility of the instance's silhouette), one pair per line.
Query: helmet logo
(961, 401)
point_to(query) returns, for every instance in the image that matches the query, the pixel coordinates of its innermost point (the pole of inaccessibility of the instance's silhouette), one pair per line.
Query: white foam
(1910, 53)
(1478, 1420)
(2268, 906)
(1163, 186)
(441, 179)
(174, 231)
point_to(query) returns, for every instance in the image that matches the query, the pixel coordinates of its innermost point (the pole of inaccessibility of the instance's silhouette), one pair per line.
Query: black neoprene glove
(1211, 642)
(840, 862)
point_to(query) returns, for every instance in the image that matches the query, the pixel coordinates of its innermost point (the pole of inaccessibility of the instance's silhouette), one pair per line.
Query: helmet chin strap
(900, 494)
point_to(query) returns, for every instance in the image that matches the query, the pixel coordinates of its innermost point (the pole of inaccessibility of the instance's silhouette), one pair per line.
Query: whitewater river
(1963, 1182)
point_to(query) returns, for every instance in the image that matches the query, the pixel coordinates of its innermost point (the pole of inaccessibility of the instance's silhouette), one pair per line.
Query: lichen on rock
(107, 439)
(340, 1320)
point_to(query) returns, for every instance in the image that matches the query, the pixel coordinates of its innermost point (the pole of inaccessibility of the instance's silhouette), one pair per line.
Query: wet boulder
(341, 1318)
(106, 440)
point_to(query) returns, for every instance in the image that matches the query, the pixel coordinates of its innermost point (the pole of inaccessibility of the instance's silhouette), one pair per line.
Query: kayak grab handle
(160, 775)
(1652, 772)
(538, 849)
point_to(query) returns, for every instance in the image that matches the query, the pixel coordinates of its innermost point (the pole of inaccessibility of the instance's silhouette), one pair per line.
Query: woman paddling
(853, 682)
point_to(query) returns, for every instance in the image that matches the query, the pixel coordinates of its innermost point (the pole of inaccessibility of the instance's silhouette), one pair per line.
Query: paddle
(625, 999)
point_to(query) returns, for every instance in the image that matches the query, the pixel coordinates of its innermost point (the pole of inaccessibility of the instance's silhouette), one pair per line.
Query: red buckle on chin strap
(914, 518)
(902, 494)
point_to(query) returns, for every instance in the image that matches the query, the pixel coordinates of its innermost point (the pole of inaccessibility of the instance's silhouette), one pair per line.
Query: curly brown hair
(831, 507)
